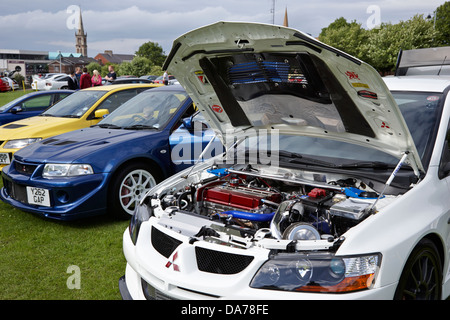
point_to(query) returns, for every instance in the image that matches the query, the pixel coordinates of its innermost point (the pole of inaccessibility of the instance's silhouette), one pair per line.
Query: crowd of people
(81, 79)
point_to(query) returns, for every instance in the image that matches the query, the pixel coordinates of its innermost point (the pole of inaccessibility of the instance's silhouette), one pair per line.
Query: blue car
(30, 105)
(110, 166)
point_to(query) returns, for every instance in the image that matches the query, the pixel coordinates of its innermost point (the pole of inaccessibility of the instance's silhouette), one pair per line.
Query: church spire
(285, 22)
(80, 38)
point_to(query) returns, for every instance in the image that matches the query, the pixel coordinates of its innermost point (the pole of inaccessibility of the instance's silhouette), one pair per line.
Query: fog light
(62, 196)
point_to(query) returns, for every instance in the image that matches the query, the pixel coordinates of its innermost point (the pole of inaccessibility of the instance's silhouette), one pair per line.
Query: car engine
(284, 207)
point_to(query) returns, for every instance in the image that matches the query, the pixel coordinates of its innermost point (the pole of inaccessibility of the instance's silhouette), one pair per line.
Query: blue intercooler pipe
(258, 217)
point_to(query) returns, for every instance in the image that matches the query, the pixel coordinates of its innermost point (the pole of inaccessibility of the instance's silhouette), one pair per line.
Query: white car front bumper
(149, 278)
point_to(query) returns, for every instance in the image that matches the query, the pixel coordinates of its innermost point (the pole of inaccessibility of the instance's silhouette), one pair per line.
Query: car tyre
(422, 276)
(129, 186)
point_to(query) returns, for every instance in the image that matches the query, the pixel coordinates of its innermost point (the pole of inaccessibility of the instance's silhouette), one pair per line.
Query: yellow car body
(103, 100)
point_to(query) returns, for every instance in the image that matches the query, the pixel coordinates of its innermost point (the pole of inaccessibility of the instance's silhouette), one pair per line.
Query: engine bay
(251, 204)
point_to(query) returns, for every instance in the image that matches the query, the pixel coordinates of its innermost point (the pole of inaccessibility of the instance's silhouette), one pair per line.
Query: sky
(123, 26)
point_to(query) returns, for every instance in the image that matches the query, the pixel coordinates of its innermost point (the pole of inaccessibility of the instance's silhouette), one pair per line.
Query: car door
(189, 140)
(116, 99)
(444, 176)
(31, 107)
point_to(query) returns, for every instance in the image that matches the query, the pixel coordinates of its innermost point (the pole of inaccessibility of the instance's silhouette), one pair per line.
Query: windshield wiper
(139, 127)
(107, 126)
(298, 158)
(68, 116)
(366, 164)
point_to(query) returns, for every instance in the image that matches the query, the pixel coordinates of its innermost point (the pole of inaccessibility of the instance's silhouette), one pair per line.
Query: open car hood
(249, 75)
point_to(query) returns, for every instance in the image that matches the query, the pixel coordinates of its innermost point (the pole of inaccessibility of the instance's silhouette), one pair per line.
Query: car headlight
(141, 214)
(66, 170)
(20, 143)
(318, 273)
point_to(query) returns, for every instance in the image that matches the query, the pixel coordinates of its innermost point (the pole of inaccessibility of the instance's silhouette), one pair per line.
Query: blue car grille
(15, 191)
(26, 169)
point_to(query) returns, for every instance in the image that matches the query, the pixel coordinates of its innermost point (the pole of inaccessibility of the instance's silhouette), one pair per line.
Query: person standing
(85, 79)
(72, 83)
(78, 75)
(96, 79)
(166, 78)
(111, 76)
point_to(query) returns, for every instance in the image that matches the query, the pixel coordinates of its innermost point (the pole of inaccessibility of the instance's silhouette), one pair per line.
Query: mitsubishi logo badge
(172, 263)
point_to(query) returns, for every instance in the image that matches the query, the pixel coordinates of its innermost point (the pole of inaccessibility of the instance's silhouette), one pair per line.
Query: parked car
(120, 80)
(108, 167)
(339, 190)
(30, 105)
(12, 83)
(81, 109)
(39, 83)
(149, 77)
(57, 82)
(172, 80)
(4, 86)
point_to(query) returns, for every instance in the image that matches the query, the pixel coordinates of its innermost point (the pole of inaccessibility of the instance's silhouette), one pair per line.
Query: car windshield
(148, 110)
(75, 105)
(421, 111)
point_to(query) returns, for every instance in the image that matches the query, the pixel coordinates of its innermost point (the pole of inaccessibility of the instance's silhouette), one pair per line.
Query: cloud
(122, 27)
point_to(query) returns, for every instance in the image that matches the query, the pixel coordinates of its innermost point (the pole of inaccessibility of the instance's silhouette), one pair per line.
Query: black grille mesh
(163, 243)
(221, 262)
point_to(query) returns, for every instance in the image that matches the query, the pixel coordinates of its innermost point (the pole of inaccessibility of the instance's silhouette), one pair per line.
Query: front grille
(151, 293)
(15, 191)
(26, 169)
(219, 262)
(163, 243)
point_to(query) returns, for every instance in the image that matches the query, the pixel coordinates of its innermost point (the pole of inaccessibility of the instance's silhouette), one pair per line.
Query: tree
(93, 66)
(383, 44)
(345, 36)
(442, 19)
(152, 51)
(380, 46)
(139, 66)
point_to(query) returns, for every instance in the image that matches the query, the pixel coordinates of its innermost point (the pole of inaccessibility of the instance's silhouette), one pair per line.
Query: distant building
(30, 62)
(108, 57)
(81, 39)
(68, 64)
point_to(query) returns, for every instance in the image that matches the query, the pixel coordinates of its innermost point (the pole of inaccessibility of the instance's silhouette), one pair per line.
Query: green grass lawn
(35, 256)
(6, 97)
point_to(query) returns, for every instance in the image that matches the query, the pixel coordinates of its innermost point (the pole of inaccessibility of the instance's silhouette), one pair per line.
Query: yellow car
(81, 109)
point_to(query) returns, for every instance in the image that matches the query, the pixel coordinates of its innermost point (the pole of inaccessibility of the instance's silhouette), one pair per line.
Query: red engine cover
(239, 197)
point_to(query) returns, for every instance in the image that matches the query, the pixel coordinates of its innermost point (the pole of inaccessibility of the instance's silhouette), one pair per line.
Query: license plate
(4, 158)
(38, 196)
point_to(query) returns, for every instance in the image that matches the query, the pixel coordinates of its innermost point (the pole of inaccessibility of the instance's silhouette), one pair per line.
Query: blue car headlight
(53, 170)
(325, 273)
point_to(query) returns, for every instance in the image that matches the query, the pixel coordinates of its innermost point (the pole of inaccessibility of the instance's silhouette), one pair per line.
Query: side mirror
(100, 113)
(188, 124)
(16, 109)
